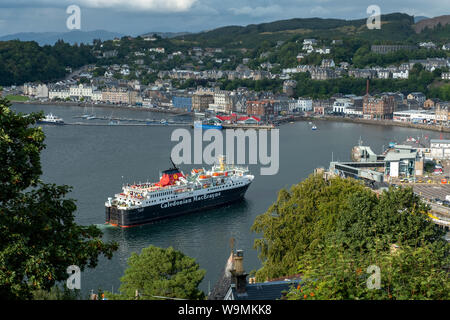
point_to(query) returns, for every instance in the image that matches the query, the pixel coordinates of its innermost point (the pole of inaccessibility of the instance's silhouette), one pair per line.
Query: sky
(135, 17)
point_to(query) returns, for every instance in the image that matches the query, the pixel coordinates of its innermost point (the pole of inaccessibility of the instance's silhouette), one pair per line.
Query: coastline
(286, 120)
(102, 105)
(379, 123)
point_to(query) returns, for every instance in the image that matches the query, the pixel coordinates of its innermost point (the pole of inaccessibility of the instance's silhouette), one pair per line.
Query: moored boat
(51, 119)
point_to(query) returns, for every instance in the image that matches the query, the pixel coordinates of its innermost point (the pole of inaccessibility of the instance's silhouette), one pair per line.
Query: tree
(299, 221)
(39, 238)
(405, 273)
(326, 229)
(160, 272)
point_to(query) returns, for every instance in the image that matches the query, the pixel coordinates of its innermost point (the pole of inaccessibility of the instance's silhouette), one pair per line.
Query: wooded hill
(395, 27)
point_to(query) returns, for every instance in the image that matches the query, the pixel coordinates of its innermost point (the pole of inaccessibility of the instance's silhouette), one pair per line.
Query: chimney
(239, 277)
(238, 262)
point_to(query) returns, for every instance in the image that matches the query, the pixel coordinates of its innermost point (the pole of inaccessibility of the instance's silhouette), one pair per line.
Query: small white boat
(314, 127)
(51, 119)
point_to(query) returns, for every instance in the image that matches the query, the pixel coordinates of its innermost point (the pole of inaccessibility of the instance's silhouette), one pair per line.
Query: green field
(16, 98)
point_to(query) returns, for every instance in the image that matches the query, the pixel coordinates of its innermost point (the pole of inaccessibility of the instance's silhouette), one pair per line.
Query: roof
(265, 290)
(400, 154)
(247, 118)
(439, 141)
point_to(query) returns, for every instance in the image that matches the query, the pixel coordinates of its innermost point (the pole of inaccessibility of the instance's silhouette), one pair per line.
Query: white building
(36, 90)
(414, 116)
(96, 96)
(445, 75)
(59, 93)
(383, 74)
(304, 104)
(157, 50)
(81, 91)
(440, 149)
(341, 104)
(400, 74)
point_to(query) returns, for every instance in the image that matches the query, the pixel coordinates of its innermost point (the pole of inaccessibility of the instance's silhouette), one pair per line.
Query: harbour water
(97, 160)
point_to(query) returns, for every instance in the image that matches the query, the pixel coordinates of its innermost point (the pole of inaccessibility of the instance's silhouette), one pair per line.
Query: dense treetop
(39, 238)
(332, 231)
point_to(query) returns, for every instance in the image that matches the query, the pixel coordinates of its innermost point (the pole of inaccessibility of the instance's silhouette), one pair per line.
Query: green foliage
(364, 57)
(56, 293)
(334, 273)
(39, 238)
(22, 62)
(160, 272)
(331, 231)
(396, 27)
(299, 221)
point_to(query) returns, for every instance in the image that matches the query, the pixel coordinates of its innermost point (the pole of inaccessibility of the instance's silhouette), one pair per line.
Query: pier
(116, 121)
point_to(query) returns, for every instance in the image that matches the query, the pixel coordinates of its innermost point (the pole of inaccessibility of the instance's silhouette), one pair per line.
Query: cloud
(147, 5)
(125, 5)
(258, 11)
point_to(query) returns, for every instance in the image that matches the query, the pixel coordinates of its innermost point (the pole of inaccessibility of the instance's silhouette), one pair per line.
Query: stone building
(378, 107)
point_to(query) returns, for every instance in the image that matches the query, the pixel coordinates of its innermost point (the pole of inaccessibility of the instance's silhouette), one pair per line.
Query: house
(362, 73)
(427, 45)
(324, 50)
(309, 41)
(445, 76)
(418, 96)
(233, 284)
(304, 104)
(430, 103)
(341, 105)
(400, 74)
(323, 74)
(344, 65)
(383, 74)
(328, 63)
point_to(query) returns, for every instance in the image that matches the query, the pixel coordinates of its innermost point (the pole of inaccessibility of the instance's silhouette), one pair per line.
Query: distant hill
(44, 38)
(395, 27)
(166, 34)
(420, 18)
(431, 23)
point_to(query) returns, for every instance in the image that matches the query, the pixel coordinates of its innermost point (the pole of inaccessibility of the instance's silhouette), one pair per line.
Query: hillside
(395, 27)
(431, 23)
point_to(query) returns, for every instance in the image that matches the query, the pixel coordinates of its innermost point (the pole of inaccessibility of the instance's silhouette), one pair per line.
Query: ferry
(177, 193)
(51, 119)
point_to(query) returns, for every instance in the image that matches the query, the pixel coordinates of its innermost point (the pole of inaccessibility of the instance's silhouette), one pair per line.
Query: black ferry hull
(135, 217)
